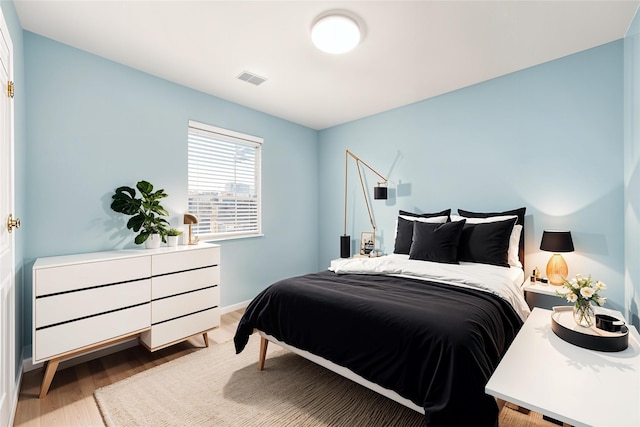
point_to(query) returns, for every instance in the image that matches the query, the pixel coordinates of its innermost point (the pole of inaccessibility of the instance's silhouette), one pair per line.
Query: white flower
(587, 292)
(599, 300)
(583, 290)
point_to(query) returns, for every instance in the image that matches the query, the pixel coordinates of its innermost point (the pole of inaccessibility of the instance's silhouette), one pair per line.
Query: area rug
(216, 387)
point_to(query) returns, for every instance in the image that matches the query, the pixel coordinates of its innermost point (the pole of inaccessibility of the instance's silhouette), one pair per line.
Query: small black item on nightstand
(608, 323)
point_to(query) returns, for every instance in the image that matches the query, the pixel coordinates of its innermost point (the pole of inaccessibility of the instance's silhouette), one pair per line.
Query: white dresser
(85, 301)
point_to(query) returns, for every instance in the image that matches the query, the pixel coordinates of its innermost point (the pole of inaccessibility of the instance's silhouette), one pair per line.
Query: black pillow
(486, 243)
(436, 242)
(404, 230)
(404, 235)
(519, 212)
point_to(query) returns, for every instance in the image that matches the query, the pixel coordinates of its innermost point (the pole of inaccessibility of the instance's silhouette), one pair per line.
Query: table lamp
(190, 219)
(556, 241)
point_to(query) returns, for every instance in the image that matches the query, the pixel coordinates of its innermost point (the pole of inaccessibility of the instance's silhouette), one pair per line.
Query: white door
(7, 259)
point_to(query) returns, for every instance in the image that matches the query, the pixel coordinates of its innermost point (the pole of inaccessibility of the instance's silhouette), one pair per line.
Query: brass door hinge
(10, 89)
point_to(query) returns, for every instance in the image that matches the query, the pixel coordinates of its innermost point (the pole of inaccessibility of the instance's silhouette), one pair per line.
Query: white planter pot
(172, 241)
(153, 241)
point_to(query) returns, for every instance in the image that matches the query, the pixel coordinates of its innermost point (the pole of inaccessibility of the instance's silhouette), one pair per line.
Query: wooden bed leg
(263, 352)
(49, 372)
(206, 339)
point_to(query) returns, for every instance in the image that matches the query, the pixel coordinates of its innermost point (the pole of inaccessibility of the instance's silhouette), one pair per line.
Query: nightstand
(542, 295)
(574, 385)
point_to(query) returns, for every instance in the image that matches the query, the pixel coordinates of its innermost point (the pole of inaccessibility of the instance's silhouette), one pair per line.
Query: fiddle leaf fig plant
(146, 211)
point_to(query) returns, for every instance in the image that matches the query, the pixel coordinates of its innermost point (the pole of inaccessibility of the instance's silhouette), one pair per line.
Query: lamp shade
(380, 193)
(556, 241)
(190, 219)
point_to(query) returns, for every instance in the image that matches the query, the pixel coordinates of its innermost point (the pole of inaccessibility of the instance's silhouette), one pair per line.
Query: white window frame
(214, 134)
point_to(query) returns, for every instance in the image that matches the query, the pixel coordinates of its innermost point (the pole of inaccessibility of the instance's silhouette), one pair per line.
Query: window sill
(211, 238)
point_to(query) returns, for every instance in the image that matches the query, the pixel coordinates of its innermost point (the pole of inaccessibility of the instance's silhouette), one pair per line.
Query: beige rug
(216, 387)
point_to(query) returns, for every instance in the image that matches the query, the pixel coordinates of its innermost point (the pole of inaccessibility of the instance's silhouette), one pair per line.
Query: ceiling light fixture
(335, 33)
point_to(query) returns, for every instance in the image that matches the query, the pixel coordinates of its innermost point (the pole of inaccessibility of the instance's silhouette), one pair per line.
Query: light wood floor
(70, 399)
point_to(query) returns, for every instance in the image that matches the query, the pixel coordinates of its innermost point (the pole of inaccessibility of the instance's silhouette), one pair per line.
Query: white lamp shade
(335, 34)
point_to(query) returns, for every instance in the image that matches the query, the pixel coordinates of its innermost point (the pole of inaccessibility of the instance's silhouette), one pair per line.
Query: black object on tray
(563, 325)
(609, 323)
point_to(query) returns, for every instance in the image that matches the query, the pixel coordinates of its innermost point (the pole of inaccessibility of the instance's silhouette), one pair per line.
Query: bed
(425, 326)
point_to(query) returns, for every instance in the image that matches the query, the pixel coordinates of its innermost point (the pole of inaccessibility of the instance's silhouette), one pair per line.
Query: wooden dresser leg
(206, 339)
(49, 372)
(263, 352)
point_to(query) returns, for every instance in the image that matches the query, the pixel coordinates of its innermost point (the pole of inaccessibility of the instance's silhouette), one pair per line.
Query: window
(224, 182)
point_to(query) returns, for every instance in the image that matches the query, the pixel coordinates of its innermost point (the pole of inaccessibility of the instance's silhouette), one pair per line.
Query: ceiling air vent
(251, 78)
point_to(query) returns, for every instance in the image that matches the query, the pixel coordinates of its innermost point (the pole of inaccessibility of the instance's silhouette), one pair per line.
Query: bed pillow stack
(517, 235)
(481, 237)
(486, 241)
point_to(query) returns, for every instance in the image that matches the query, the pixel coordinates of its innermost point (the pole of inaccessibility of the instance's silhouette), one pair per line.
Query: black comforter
(434, 344)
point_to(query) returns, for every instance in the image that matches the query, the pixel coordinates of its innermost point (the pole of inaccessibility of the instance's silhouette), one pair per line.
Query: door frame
(8, 349)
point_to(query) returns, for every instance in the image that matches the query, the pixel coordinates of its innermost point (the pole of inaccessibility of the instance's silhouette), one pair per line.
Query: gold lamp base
(557, 270)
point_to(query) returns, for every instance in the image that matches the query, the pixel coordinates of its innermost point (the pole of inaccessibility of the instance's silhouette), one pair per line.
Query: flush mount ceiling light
(335, 33)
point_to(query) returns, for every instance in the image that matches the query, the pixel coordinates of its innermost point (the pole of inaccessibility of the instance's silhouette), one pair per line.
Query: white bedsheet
(501, 281)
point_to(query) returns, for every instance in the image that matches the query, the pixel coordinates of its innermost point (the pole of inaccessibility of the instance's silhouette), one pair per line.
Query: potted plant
(146, 212)
(172, 236)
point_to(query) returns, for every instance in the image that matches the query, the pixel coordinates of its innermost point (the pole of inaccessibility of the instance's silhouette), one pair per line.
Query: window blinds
(224, 181)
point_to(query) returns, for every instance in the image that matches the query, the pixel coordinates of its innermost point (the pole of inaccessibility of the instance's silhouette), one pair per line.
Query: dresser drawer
(181, 328)
(58, 308)
(71, 336)
(78, 276)
(178, 283)
(179, 305)
(171, 262)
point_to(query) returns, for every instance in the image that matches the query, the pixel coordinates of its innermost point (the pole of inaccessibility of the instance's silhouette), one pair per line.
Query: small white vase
(172, 241)
(153, 241)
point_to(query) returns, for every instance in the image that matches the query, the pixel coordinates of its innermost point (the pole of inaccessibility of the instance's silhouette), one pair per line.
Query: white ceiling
(411, 50)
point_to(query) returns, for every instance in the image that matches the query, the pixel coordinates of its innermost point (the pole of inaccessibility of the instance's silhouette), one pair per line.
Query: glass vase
(583, 314)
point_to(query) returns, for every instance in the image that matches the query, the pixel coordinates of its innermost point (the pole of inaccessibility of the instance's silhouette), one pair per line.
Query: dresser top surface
(57, 261)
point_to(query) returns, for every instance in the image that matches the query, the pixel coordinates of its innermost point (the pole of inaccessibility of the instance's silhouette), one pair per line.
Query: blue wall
(632, 168)
(549, 138)
(95, 125)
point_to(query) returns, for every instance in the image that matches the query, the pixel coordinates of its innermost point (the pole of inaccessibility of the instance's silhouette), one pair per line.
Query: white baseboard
(234, 307)
(27, 364)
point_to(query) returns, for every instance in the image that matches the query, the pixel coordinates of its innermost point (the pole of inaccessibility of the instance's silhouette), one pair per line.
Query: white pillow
(432, 219)
(514, 247)
(482, 220)
(514, 240)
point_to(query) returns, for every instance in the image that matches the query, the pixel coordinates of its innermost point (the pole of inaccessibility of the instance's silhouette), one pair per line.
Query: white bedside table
(581, 387)
(542, 295)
